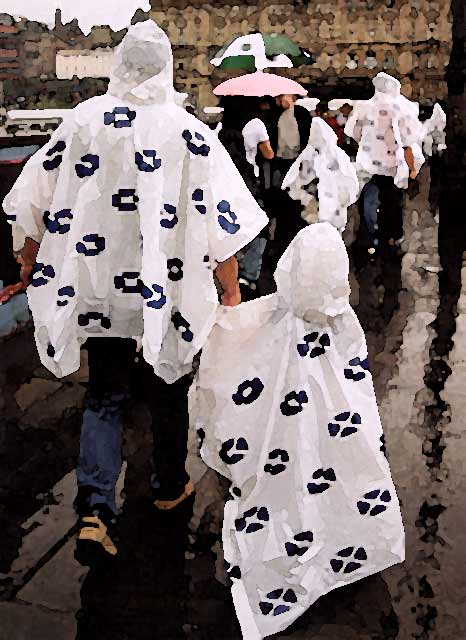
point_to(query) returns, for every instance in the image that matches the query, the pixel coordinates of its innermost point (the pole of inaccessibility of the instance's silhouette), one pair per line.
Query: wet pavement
(169, 581)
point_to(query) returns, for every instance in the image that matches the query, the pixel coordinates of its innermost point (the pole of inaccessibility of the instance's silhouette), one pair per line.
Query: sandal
(167, 505)
(93, 544)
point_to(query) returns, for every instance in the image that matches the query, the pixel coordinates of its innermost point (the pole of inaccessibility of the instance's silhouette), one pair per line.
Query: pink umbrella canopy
(259, 84)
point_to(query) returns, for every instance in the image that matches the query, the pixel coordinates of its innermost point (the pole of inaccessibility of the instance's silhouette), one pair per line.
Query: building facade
(351, 41)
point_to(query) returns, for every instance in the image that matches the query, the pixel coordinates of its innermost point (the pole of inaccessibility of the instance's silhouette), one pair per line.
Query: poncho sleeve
(32, 193)
(235, 218)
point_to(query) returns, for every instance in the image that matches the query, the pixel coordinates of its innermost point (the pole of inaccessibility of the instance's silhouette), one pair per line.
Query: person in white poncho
(294, 427)
(122, 220)
(389, 134)
(324, 163)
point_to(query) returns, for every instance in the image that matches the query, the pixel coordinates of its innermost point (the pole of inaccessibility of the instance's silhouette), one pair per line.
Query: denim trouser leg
(111, 364)
(100, 452)
(251, 262)
(371, 205)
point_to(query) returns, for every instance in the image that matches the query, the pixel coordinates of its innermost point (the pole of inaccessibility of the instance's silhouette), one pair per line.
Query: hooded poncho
(133, 202)
(323, 160)
(295, 427)
(434, 132)
(383, 126)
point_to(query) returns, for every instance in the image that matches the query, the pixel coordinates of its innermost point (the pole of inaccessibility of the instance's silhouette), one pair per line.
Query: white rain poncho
(322, 159)
(434, 131)
(133, 202)
(383, 126)
(295, 427)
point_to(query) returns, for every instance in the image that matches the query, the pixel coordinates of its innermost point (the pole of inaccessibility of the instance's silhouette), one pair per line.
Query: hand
(231, 298)
(25, 273)
(413, 174)
(12, 289)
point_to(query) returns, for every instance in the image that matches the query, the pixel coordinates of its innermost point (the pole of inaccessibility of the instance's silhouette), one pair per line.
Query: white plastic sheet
(434, 131)
(383, 126)
(133, 202)
(287, 405)
(323, 160)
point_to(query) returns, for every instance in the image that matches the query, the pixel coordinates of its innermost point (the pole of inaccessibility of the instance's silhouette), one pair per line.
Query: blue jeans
(112, 371)
(250, 262)
(371, 204)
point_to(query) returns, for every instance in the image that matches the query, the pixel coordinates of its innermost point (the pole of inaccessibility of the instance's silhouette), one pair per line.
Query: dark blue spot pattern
(278, 601)
(52, 221)
(47, 271)
(196, 143)
(229, 226)
(175, 269)
(119, 123)
(91, 245)
(11, 217)
(234, 573)
(358, 369)
(300, 544)
(84, 319)
(198, 196)
(305, 347)
(352, 560)
(154, 296)
(274, 468)
(252, 520)
(327, 475)
(65, 293)
(128, 282)
(248, 391)
(89, 168)
(293, 403)
(143, 165)
(118, 200)
(233, 451)
(182, 325)
(56, 150)
(347, 419)
(374, 502)
(168, 223)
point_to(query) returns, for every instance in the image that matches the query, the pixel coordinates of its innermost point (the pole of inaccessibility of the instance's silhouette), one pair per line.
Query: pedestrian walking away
(296, 430)
(245, 137)
(289, 138)
(122, 219)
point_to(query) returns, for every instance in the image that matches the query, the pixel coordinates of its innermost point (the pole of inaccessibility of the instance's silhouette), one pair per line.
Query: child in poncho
(286, 402)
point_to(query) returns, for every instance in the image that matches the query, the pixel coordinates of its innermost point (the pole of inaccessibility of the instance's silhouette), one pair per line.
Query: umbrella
(259, 51)
(259, 84)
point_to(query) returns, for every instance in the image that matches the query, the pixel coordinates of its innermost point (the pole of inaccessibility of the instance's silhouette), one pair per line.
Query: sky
(115, 13)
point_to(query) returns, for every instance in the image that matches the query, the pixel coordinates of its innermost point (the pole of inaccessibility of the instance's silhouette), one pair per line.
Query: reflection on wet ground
(169, 580)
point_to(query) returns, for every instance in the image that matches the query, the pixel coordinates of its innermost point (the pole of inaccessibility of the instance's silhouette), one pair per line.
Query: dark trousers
(389, 227)
(112, 374)
(285, 210)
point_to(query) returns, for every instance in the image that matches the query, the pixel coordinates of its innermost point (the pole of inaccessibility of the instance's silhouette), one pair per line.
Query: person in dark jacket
(289, 136)
(246, 138)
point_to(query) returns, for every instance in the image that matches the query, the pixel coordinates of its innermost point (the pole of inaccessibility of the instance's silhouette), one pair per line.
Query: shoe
(95, 544)
(168, 505)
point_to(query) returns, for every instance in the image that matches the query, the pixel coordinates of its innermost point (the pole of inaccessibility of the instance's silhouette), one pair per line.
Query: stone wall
(351, 40)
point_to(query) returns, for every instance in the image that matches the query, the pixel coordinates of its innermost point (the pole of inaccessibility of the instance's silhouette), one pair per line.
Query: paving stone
(32, 392)
(45, 412)
(20, 621)
(57, 585)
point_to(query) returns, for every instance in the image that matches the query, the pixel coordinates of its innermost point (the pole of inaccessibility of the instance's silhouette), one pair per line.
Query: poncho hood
(386, 84)
(337, 180)
(142, 70)
(312, 274)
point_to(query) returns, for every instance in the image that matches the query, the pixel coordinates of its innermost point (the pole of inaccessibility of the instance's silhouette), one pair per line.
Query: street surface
(169, 582)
